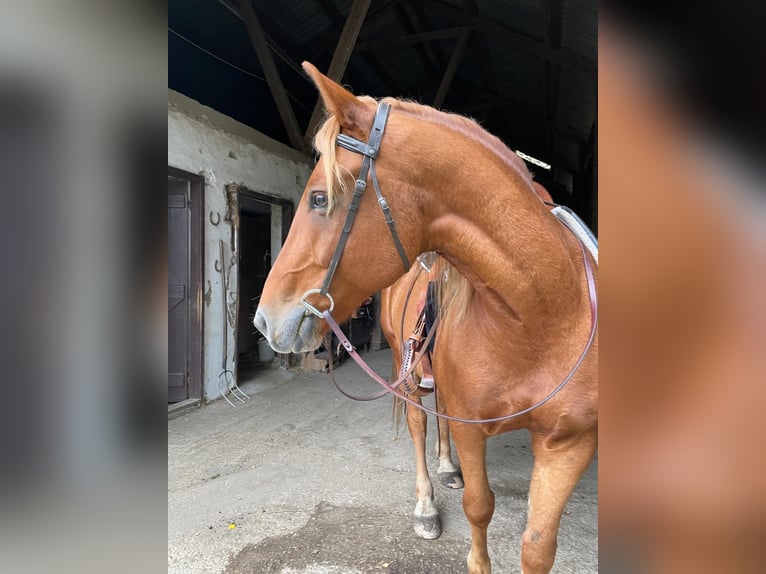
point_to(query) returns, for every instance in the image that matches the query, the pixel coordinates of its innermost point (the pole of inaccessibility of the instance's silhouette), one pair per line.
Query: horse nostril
(261, 324)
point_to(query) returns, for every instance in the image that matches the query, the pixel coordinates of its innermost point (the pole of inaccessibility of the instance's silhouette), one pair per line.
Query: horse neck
(483, 216)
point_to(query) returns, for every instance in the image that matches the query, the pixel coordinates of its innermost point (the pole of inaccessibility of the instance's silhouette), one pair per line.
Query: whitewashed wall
(205, 142)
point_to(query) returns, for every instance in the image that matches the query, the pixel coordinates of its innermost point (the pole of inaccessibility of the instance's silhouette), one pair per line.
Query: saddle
(427, 312)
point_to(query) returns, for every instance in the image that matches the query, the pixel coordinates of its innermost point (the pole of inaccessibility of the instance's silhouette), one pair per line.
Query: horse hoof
(452, 479)
(428, 527)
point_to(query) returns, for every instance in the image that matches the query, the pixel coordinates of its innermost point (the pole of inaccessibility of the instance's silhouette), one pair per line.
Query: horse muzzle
(292, 331)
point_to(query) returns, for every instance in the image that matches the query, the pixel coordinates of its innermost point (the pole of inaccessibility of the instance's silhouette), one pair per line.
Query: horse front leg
(448, 473)
(427, 522)
(558, 467)
(478, 498)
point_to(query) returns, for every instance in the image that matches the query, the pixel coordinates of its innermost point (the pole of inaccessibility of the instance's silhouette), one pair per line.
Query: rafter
(520, 42)
(342, 54)
(278, 91)
(454, 62)
(552, 72)
(336, 16)
(273, 44)
(404, 21)
(412, 39)
(422, 23)
(518, 106)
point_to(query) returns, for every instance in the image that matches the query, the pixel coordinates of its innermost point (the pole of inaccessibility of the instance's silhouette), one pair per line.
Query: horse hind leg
(427, 522)
(557, 469)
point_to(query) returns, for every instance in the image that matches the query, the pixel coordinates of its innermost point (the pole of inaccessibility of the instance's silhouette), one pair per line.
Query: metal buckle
(310, 308)
(427, 260)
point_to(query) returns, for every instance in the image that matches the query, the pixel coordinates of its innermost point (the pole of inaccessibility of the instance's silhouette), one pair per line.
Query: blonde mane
(324, 144)
(454, 291)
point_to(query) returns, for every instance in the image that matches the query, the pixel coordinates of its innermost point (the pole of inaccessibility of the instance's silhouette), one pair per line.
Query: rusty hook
(217, 265)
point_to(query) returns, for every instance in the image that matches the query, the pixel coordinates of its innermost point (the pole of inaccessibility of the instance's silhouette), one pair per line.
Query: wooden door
(184, 286)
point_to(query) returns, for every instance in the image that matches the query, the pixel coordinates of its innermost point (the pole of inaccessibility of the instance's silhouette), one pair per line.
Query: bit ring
(313, 310)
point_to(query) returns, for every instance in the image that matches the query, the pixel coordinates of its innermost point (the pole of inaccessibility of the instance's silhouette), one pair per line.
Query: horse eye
(318, 199)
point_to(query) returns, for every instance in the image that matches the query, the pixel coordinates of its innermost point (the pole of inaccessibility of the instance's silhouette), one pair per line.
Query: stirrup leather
(411, 346)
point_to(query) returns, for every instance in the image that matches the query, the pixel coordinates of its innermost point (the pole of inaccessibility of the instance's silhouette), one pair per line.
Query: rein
(370, 152)
(363, 364)
(389, 387)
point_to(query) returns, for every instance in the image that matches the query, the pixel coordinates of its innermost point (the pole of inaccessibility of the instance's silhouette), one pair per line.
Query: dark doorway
(184, 286)
(254, 264)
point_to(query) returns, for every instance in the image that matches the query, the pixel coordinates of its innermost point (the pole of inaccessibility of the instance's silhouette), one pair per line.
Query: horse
(400, 307)
(518, 346)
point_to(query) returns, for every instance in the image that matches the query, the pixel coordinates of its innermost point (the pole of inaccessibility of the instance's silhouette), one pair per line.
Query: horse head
(289, 312)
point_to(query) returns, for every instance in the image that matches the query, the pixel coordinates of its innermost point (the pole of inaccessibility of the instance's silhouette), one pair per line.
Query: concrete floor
(318, 484)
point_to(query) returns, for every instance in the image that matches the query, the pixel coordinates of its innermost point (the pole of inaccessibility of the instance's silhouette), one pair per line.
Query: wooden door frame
(196, 280)
(288, 211)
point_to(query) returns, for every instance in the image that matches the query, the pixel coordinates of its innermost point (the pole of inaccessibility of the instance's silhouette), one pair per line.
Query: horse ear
(350, 112)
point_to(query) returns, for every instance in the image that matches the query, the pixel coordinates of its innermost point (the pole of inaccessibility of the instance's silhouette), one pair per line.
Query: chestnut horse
(400, 308)
(518, 326)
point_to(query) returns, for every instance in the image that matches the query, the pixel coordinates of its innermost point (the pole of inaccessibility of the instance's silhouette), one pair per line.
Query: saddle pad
(578, 227)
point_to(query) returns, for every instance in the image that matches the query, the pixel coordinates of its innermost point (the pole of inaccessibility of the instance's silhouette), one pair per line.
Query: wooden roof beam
(412, 39)
(422, 23)
(454, 62)
(512, 104)
(341, 56)
(554, 10)
(338, 19)
(278, 92)
(403, 17)
(526, 45)
(275, 47)
(520, 42)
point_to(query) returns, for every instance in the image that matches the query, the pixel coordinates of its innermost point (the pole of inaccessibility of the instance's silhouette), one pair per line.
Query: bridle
(370, 152)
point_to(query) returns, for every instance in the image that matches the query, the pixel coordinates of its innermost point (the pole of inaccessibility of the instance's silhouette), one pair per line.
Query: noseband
(370, 152)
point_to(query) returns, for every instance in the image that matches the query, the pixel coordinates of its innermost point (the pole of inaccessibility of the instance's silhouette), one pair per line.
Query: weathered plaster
(225, 151)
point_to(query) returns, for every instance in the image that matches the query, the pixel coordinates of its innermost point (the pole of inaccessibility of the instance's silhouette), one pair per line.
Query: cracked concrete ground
(317, 484)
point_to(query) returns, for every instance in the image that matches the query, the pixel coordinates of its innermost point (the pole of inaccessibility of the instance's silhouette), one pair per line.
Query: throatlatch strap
(389, 219)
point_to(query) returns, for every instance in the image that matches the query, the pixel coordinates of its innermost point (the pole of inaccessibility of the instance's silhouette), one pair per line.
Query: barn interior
(525, 70)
